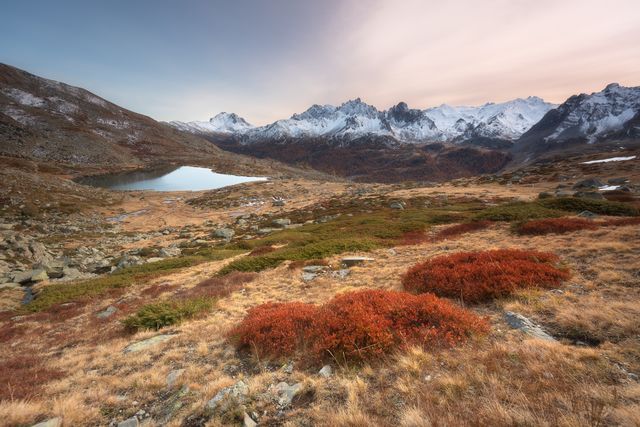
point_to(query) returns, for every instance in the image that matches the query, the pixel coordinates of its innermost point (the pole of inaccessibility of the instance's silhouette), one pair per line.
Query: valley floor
(68, 356)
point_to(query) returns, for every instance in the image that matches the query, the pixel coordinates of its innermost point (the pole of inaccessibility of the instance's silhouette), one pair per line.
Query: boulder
(282, 222)
(107, 312)
(224, 233)
(171, 251)
(588, 183)
(397, 205)
(587, 214)
(10, 285)
(21, 276)
(224, 399)
(286, 392)
(39, 276)
(278, 202)
(618, 181)
(518, 321)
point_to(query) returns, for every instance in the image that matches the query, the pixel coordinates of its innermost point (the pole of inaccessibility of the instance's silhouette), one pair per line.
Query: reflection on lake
(170, 178)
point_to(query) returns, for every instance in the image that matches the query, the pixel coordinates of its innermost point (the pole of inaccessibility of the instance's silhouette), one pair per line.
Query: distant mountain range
(355, 119)
(46, 120)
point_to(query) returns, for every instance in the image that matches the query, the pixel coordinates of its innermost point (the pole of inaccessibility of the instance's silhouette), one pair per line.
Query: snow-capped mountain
(221, 123)
(612, 114)
(355, 119)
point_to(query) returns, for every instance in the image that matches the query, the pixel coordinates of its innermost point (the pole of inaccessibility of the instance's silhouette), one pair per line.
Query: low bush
(355, 326)
(166, 313)
(621, 222)
(482, 276)
(459, 229)
(555, 225)
(518, 211)
(601, 207)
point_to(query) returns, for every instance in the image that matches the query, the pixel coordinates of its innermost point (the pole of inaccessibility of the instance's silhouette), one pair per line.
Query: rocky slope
(47, 120)
(586, 123)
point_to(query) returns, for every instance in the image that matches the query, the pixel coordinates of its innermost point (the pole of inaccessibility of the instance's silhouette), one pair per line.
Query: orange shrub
(482, 276)
(555, 225)
(367, 324)
(356, 326)
(276, 329)
(458, 229)
(621, 221)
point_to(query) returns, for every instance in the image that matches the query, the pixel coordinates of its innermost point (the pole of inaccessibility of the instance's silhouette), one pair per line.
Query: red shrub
(481, 276)
(367, 324)
(276, 329)
(356, 326)
(414, 237)
(620, 222)
(555, 225)
(459, 229)
(23, 377)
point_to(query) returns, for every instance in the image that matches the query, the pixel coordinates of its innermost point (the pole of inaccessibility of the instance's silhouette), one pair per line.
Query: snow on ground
(609, 187)
(612, 159)
(24, 98)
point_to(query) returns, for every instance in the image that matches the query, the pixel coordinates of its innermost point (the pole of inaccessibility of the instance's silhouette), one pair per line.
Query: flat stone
(21, 276)
(518, 321)
(145, 344)
(307, 277)
(53, 422)
(107, 312)
(131, 422)
(355, 260)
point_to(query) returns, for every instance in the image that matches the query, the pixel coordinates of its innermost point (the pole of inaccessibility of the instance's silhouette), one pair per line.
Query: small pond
(171, 178)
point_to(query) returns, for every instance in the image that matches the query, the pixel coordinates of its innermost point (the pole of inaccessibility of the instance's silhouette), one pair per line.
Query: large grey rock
(54, 268)
(169, 252)
(282, 222)
(278, 202)
(228, 396)
(518, 321)
(397, 205)
(588, 183)
(52, 422)
(107, 312)
(131, 422)
(39, 276)
(286, 393)
(618, 181)
(224, 233)
(21, 276)
(149, 342)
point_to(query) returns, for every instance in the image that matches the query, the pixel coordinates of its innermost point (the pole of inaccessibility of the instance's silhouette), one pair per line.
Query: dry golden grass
(504, 380)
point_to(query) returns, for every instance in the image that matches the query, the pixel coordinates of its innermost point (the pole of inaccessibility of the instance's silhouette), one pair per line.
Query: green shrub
(518, 211)
(601, 207)
(166, 313)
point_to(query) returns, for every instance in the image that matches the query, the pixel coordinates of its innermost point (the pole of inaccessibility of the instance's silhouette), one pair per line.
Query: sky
(265, 60)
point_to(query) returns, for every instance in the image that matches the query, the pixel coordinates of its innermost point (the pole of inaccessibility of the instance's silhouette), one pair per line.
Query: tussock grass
(167, 313)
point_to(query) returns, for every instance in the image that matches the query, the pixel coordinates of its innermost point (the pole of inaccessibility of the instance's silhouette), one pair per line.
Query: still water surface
(174, 178)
